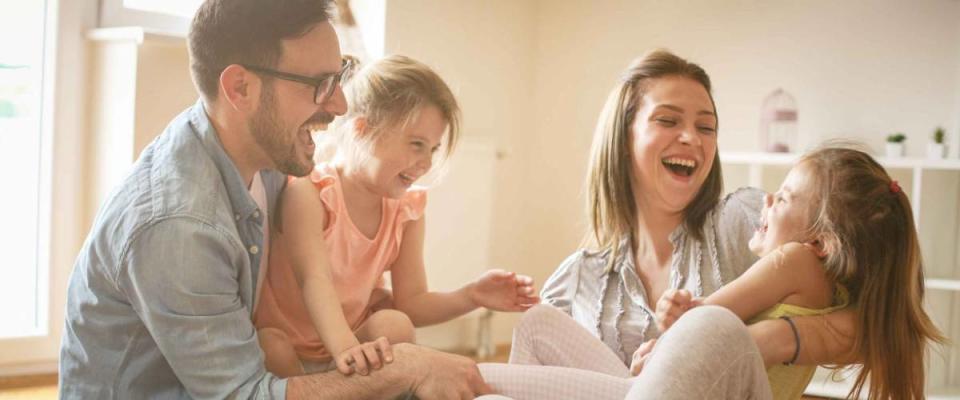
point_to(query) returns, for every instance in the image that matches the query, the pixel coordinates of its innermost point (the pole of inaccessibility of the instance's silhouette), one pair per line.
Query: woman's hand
(500, 290)
(672, 305)
(640, 356)
(362, 357)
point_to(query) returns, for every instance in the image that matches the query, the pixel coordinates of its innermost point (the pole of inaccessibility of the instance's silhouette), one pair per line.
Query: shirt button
(256, 214)
(236, 216)
(254, 249)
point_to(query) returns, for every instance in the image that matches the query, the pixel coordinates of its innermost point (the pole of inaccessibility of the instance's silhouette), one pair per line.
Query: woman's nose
(689, 136)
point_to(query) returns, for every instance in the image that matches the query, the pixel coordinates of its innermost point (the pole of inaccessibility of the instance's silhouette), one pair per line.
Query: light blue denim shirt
(160, 300)
(612, 304)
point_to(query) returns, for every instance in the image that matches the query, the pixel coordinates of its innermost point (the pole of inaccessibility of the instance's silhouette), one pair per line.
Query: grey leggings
(707, 354)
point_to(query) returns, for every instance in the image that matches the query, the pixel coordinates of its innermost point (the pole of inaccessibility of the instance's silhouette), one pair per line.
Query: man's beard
(270, 134)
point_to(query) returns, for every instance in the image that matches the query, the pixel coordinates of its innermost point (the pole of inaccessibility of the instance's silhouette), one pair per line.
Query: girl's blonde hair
(611, 206)
(864, 221)
(388, 94)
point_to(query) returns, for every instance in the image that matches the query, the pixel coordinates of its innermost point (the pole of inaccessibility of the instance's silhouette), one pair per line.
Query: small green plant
(938, 135)
(898, 137)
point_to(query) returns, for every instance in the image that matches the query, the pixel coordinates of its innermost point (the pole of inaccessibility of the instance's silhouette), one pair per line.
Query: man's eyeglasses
(322, 87)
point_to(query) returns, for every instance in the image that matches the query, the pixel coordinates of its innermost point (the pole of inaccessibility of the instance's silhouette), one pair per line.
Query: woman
(658, 225)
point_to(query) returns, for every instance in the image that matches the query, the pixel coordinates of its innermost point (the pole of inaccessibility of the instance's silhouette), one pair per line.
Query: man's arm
(427, 373)
(183, 278)
(824, 339)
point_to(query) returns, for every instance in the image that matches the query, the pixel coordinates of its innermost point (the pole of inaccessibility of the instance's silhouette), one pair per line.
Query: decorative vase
(936, 151)
(894, 150)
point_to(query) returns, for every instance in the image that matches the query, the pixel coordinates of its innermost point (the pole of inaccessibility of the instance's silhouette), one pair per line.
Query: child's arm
(495, 289)
(304, 219)
(769, 281)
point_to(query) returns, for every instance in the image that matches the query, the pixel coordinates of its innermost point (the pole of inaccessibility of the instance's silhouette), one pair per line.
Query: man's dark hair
(226, 32)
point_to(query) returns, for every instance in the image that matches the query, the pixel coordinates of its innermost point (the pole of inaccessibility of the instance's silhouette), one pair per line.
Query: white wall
(533, 74)
(483, 49)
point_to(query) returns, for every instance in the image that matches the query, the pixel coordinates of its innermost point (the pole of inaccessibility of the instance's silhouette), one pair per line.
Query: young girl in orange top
(322, 304)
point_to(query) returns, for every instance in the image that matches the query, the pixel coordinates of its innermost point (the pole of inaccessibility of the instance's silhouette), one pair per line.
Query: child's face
(786, 215)
(402, 156)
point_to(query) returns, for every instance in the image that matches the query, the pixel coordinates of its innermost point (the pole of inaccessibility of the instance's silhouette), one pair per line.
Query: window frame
(60, 231)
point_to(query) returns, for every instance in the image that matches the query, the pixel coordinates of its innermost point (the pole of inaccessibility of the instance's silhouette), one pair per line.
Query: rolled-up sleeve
(561, 287)
(183, 278)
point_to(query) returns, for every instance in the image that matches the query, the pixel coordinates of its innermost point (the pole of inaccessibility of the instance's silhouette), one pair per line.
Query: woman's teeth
(680, 166)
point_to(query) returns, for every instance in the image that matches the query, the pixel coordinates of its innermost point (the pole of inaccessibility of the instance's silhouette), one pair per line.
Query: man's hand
(671, 306)
(437, 375)
(640, 356)
(500, 290)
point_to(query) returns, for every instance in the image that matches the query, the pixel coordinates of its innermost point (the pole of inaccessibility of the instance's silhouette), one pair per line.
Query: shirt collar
(625, 252)
(243, 204)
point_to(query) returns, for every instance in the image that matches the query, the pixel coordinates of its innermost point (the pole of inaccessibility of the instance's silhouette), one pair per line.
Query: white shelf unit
(934, 192)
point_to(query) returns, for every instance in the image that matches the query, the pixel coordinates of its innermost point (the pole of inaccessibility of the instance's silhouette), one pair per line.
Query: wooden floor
(40, 387)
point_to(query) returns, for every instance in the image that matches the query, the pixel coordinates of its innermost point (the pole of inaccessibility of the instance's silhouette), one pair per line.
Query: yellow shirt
(789, 381)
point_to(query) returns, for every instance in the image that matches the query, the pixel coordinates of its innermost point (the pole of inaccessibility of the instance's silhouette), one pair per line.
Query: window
(180, 8)
(167, 16)
(23, 287)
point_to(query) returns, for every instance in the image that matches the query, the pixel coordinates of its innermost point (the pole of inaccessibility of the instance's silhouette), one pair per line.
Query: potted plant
(937, 149)
(895, 144)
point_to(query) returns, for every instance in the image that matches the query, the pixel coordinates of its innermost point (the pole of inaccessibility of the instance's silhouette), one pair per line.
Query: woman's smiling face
(674, 142)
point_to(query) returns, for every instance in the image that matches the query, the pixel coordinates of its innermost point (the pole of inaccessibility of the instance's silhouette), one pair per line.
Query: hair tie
(894, 187)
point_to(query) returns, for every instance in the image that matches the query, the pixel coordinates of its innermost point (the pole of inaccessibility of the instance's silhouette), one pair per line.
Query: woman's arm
(824, 339)
(304, 218)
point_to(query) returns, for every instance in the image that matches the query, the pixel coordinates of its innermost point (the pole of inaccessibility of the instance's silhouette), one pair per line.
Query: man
(160, 300)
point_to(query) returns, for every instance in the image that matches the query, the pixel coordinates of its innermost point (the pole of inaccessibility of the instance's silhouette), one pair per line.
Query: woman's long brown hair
(611, 206)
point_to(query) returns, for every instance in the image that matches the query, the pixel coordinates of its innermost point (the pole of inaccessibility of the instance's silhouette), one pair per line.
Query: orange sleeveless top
(357, 264)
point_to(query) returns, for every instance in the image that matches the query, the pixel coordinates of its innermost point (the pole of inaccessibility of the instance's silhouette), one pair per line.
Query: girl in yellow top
(839, 230)
(352, 219)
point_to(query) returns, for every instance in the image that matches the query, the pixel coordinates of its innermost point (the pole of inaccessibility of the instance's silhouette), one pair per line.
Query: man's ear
(240, 87)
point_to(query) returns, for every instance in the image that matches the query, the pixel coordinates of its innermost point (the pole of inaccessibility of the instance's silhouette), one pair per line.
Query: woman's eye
(707, 129)
(666, 122)
(417, 145)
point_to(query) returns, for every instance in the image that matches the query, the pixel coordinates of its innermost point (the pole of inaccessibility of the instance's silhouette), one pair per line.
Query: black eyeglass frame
(328, 83)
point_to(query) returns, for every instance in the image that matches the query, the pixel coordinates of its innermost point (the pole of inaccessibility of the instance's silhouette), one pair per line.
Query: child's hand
(500, 290)
(362, 357)
(672, 305)
(640, 356)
